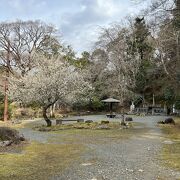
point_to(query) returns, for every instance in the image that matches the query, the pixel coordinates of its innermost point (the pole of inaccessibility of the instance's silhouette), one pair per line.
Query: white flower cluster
(52, 79)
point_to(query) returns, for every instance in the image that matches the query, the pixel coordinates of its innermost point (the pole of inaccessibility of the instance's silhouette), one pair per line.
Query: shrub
(8, 134)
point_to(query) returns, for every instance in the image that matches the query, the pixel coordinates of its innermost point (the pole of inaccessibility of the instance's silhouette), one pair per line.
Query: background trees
(135, 60)
(143, 55)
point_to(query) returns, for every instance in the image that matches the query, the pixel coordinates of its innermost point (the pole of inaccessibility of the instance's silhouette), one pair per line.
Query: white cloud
(108, 8)
(78, 20)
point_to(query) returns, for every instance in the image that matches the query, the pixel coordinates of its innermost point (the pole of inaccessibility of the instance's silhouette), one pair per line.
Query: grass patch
(38, 161)
(92, 126)
(94, 136)
(171, 152)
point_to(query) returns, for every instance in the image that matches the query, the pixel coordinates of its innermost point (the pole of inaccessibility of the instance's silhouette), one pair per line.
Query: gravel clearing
(135, 158)
(132, 159)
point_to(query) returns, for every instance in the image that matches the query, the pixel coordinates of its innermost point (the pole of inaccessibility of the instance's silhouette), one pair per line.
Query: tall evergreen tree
(142, 47)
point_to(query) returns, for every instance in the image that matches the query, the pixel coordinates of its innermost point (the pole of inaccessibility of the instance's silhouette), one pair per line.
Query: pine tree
(142, 46)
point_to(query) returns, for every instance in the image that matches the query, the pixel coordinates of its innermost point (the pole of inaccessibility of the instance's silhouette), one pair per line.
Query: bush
(8, 134)
(177, 103)
(169, 121)
(25, 113)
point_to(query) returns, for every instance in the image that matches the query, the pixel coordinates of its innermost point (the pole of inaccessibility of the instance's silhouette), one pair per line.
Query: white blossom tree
(53, 79)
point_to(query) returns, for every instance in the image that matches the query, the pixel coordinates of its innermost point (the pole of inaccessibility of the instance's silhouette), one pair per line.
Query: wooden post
(5, 100)
(153, 100)
(111, 108)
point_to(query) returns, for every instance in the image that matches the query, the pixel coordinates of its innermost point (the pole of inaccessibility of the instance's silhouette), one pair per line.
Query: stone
(129, 170)
(80, 120)
(58, 121)
(22, 138)
(169, 121)
(103, 127)
(5, 143)
(16, 122)
(128, 119)
(86, 164)
(89, 121)
(104, 122)
(1, 144)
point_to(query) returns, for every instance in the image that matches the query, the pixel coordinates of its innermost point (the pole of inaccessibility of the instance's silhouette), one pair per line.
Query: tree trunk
(48, 121)
(45, 108)
(52, 111)
(5, 100)
(6, 85)
(153, 100)
(143, 100)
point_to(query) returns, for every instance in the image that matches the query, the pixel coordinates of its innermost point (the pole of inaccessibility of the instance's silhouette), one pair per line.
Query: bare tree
(121, 67)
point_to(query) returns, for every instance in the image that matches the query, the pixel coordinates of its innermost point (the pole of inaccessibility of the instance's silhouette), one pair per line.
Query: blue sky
(79, 21)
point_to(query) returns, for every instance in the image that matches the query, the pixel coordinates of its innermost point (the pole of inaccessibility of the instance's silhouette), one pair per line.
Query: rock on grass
(9, 136)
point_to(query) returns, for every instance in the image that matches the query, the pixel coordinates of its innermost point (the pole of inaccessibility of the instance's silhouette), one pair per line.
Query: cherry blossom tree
(52, 80)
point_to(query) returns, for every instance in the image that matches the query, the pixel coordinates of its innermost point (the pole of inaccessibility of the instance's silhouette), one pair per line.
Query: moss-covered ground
(38, 161)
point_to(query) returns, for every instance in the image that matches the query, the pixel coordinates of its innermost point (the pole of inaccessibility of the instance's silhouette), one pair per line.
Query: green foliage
(2, 111)
(70, 55)
(93, 104)
(34, 105)
(144, 49)
(177, 103)
(83, 61)
(96, 104)
(141, 44)
(50, 46)
(137, 100)
(169, 95)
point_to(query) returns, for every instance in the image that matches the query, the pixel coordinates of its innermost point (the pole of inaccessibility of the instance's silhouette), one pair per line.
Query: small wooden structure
(111, 101)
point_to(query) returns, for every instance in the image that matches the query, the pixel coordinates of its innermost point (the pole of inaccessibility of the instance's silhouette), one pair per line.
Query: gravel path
(132, 159)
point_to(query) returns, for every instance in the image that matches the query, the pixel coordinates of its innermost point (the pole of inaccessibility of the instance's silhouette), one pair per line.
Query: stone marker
(128, 119)
(58, 121)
